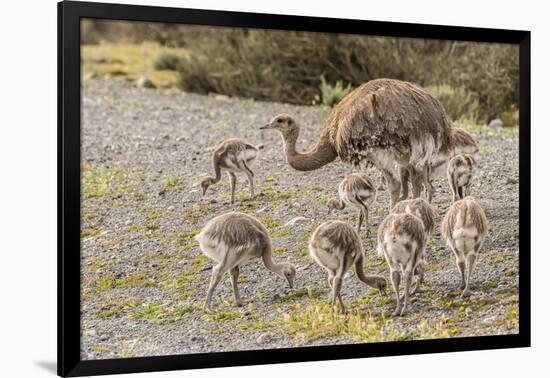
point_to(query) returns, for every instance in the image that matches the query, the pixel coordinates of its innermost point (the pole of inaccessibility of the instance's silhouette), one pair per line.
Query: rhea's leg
(233, 180)
(394, 186)
(250, 176)
(395, 280)
(365, 212)
(330, 278)
(407, 277)
(404, 173)
(214, 281)
(360, 221)
(470, 264)
(427, 177)
(336, 287)
(419, 273)
(234, 279)
(461, 265)
(452, 184)
(417, 180)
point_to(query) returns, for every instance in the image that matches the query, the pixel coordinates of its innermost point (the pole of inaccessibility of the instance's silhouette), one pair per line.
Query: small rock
(165, 84)
(145, 82)
(166, 137)
(103, 337)
(264, 337)
(490, 319)
(220, 97)
(511, 180)
(90, 332)
(162, 192)
(128, 222)
(90, 75)
(293, 221)
(261, 210)
(496, 123)
(213, 200)
(170, 208)
(181, 138)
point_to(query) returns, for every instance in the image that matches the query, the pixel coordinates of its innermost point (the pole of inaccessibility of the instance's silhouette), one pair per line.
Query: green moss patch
(103, 181)
(138, 279)
(161, 312)
(172, 183)
(115, 308)
(319, 320)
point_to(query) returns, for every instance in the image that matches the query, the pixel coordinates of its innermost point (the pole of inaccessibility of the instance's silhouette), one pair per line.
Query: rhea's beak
(266, 126)
(290, 283)
(204, 188)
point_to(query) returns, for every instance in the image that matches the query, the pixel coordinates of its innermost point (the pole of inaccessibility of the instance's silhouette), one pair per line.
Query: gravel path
(144, 278)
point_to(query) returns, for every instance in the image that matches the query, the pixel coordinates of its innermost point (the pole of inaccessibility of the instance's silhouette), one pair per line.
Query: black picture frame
(69, 15)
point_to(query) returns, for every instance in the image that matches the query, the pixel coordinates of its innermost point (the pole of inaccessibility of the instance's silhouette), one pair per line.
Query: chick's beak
(290, 283)
(266, 126)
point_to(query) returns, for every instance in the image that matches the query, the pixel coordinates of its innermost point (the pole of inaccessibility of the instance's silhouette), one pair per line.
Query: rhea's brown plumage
(336, 246)
(465, 228)
(232, 239)
(383, 122)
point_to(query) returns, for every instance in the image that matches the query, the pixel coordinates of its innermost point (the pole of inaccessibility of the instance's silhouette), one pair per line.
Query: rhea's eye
(279, 120)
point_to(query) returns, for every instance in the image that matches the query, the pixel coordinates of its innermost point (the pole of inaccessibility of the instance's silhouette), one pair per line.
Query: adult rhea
(381, 122)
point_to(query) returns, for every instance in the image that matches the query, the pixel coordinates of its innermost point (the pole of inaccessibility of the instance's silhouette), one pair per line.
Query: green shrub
(459, 103)
(510, 118)
(332, 94)
(166, 61)
(287, 66)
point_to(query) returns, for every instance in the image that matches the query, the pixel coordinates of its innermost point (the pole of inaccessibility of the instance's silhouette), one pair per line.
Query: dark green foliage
(288, 66)
(166, 61)
(299, 67)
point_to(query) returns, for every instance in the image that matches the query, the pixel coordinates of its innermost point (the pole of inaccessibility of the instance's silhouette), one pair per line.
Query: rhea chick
(233, 156)
(401, 240)
(336, 246)
(427, 214)
(461, 142)
(231, 240)
(460, 173)
(465, 229)
(358, 190)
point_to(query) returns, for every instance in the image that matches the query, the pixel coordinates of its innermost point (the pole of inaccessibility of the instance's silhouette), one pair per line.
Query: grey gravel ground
(144, 279)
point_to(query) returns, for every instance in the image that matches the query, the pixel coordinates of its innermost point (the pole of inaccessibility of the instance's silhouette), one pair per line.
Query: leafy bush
(287, 66)
(166, 61)
(510, 118)
(458, 102)
(332, 94)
